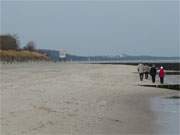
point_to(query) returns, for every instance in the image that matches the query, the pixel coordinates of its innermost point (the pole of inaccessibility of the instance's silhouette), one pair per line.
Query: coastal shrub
(8, 42)
(30, 46)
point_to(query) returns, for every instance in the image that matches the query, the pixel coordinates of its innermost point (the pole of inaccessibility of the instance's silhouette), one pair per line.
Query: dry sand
(78, 99)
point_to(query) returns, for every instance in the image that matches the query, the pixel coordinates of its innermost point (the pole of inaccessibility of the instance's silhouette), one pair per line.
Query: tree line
(10, 42)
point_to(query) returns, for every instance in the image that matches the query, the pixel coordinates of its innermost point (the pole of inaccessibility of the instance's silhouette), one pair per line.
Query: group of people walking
(144, 69)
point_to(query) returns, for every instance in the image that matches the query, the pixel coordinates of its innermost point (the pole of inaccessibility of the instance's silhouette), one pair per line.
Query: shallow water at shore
(167, 111)
(172, 79)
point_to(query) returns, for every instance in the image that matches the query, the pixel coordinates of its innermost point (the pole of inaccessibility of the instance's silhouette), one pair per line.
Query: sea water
(167, 113)
(172, 79)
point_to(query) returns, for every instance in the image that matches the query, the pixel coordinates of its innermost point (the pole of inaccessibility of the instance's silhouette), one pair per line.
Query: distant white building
(62, 55)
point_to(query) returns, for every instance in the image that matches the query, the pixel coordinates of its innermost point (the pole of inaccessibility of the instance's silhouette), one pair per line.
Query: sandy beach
(77, 99)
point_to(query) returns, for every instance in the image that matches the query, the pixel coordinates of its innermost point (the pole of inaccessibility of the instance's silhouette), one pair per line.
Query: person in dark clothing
(153, 73)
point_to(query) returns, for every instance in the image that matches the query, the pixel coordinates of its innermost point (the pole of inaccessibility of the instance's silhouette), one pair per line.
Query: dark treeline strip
(173, 73)
(168, 86)
(167, 66)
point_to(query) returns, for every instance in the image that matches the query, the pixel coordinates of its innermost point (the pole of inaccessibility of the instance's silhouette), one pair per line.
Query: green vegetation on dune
(12, 55)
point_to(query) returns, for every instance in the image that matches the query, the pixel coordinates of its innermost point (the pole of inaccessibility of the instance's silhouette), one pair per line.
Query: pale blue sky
(96, 28)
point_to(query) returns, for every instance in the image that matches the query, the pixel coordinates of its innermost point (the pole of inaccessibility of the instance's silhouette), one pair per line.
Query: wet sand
(78, 99)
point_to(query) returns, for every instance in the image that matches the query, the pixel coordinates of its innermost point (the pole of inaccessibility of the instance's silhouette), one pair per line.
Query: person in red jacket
(161, 74)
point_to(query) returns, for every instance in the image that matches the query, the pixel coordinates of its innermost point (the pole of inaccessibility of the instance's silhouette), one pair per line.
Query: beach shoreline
(66, 98)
